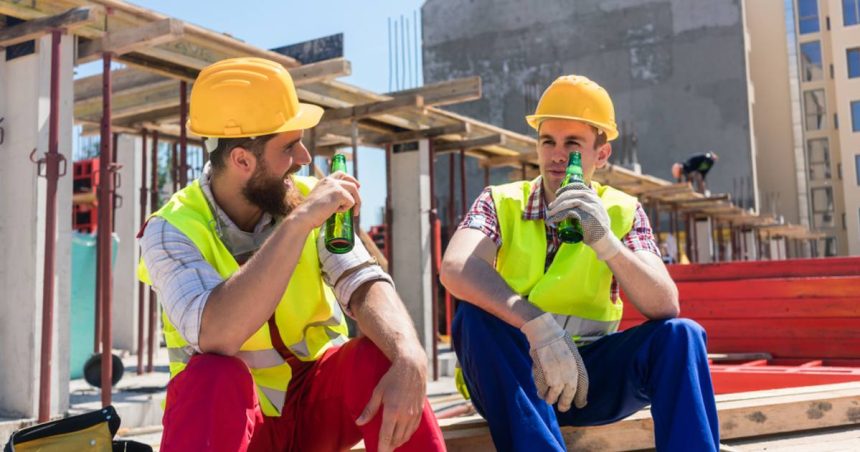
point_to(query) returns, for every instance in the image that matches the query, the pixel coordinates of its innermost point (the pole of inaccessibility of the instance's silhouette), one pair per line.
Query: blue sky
(270, 23)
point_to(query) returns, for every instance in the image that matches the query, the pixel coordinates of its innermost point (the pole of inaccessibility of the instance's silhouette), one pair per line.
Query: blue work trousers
(661, 362)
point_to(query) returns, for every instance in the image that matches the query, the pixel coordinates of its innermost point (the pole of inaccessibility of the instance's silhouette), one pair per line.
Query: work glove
(581, 202)
(559, 372)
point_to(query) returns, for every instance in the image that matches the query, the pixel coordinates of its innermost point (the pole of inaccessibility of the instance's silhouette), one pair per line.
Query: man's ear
(241, 159)
(603, 154)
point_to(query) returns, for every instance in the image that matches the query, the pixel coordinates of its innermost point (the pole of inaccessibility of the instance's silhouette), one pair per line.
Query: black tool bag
(92, 431)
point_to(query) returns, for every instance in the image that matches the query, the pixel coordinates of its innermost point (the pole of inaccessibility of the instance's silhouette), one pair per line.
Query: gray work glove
(559, 372)
(581, 202)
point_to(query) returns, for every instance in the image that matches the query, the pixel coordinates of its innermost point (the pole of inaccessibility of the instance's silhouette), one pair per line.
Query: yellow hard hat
(578, 98)
(247, 97)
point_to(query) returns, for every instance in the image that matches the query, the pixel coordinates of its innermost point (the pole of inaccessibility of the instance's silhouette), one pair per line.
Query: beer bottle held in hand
(339, 236)
(570, 229)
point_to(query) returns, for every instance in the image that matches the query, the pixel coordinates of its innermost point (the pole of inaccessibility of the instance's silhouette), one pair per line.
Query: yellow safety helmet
(247, 97)
(578, 98)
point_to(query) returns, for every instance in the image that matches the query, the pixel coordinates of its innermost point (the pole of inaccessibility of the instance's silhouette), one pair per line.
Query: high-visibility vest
(308, 319)
(576, 284)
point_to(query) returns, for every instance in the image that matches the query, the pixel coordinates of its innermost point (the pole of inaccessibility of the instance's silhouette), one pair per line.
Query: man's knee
(681, 331)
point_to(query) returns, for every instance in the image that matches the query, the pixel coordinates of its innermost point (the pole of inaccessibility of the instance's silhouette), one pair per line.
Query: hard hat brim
(308, 116)
(535, 120)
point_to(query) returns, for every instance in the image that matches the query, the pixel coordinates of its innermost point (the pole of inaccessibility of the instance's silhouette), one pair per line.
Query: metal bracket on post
(2, 132)
(41, 164)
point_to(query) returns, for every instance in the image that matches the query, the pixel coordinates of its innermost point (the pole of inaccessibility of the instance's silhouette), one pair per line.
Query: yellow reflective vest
(576, 283)
(308, 318)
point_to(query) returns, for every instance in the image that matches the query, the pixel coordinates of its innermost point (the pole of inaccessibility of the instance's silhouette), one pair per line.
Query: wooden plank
(494, 139)
(320, 71)
(798, 348)
(674, 189)
(741, 416)
(122, 81)
(818, 287)
(833, 266)
(811, 329)
(762, 308)
(412, 135)
(35, 28)
(373, 108)
(127, 40)
(447, 92)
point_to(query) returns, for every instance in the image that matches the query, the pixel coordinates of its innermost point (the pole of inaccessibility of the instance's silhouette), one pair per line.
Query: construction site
(766, 260)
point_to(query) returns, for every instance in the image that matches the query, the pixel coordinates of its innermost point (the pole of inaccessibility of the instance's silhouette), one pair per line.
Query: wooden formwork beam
(433, 132)
(488, 140)
(131, 39)
(373, 108)
(69, 20)
(447, 92)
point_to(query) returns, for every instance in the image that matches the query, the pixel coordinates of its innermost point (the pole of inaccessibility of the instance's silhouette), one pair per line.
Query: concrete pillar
(126, 224)
(777, 248)
(750, 245)
(25, 94)
(704, 240)
(410, 202)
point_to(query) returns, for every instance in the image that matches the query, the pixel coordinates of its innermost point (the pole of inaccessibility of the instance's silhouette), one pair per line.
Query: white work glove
(558, 369)
(581, 202)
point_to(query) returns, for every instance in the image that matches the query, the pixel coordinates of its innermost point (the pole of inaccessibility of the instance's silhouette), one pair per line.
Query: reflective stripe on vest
(308, 316)
(576, 286)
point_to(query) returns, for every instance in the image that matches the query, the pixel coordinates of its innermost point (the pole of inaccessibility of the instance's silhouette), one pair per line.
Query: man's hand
(336, 193)
(559, 372)
(581, 202)
(401, 393)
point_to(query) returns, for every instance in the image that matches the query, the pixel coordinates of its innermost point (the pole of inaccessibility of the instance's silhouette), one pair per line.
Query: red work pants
(213, 405)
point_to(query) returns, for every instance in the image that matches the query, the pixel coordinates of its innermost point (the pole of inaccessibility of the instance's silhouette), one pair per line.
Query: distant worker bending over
(695, 169)
(259, 358)
(536, 338)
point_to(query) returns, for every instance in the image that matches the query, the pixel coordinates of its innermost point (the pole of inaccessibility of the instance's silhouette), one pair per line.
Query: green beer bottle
(339, 236)
(570, 229)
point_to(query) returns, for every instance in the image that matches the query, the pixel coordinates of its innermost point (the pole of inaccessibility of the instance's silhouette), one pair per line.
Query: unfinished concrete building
(675, 69)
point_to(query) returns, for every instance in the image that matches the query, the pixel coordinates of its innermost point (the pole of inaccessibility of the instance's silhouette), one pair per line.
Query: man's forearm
(244, 302)
(477, 282)
(382, 317)
(650, 289)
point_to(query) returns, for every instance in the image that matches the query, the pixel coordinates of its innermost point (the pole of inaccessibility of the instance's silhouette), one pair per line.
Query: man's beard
(269, 193)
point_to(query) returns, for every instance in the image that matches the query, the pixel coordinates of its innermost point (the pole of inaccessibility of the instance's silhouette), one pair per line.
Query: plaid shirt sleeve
(641, 237)
(482, 217)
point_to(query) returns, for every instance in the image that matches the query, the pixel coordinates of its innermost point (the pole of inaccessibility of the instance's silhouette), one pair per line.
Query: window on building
(853, 57)
(850, 12)
(814, 109)
(818, 155)
(807, 16)
(857, 167)
(855, 116)
(822, 207)
(810, 61)
(830, 246)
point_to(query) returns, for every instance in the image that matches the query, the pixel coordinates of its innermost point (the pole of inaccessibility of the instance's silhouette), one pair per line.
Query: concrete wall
(25, 107)
(411, 237)
(126, 225)
(674, 68)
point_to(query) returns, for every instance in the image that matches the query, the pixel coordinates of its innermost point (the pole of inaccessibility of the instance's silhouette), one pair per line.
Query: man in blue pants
(537, 338)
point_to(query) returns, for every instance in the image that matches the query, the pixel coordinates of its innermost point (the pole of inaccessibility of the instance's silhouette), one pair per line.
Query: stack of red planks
(805, 313)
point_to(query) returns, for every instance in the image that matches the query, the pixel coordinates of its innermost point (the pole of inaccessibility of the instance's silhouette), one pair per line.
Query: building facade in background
(827, 38)
(686, 77)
